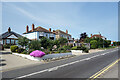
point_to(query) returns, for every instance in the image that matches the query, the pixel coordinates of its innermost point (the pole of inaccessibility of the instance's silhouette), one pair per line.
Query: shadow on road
(2, 64)
(2, 53)
(2, 60)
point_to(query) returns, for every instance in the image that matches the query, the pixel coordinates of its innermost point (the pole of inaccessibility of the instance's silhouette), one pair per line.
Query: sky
(76, 17)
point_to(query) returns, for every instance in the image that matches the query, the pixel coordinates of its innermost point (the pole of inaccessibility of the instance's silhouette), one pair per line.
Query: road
(77, 67)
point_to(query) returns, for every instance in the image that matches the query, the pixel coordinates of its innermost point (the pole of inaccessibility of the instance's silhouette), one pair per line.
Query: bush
(74, 48)
(24, 52)
(81, 48)
(57, 52)
(47, 52)
(86, 50)
(6, 46)
(93, 44)
(13, 48)
(20, 50)
(31, 50)
(60, 49)
(63, 51)
(35, 44)
(66, 47)
(71, 45)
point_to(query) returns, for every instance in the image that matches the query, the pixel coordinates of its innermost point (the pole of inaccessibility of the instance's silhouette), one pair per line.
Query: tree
(94, 44)
(57, 43)
(107, 43)
(83, 36)
(87, 40)
(46, 43)
(62, 41)
(23, 41)
(35, 44)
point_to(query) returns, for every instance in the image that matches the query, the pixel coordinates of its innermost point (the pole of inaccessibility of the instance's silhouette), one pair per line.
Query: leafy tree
(35, 44)
(23, 41)
(46, 43)
(83, 36)
(62, 41)
(87, 40)
(94, 44)
(57, 43)
(107, 43)
(100, 42)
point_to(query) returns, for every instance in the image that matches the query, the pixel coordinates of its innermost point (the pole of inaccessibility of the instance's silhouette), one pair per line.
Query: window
(7, 41)
(16, 41)
(41, 33)
(12, 41)
(46, 35)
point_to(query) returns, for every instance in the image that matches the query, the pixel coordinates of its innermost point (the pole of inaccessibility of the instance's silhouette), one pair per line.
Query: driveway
(9, 61)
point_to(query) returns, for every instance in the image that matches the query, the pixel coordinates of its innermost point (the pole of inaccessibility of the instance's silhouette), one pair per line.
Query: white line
(55, 68)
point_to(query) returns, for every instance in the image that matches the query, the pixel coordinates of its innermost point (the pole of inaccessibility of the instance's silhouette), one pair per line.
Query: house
(9, 37)
(98, 36)
(38, 32)
(63, 34)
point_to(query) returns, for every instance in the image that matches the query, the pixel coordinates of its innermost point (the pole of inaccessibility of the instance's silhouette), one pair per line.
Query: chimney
(50, 29)
(67, 31)
(33, 27)
(91, 35)
(9, 30)
(27, 29)
(53, 30)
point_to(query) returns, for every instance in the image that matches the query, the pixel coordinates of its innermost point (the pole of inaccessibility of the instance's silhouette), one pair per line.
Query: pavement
(111, 73)
(83, 66)
(10, 61)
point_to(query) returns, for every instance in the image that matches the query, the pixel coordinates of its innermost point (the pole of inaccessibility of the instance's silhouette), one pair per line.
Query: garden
(25, 46)
(45, 45)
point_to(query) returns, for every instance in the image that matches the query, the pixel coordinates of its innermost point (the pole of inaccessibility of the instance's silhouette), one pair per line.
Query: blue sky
(76, 17)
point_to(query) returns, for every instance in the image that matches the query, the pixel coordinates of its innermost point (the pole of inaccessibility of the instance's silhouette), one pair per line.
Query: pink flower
(37, 53)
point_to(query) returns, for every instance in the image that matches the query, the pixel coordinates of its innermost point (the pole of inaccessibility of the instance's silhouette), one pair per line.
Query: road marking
(103, 70)
(55, 68)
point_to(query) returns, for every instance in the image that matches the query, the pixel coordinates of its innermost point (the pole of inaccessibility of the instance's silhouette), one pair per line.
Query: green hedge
(13, 48)
(81, 48)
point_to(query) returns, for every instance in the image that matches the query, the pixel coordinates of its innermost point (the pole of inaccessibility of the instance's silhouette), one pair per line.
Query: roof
(97, 35)
(7, 34)
(39, 29)
(56, 32)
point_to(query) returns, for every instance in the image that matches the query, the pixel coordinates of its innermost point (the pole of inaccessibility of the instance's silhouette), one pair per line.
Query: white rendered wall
(32, 35)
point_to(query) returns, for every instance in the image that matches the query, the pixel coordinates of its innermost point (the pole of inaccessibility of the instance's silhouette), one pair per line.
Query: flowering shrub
(37, 53)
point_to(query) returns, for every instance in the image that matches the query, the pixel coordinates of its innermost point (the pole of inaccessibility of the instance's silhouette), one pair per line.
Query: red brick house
(98, 36)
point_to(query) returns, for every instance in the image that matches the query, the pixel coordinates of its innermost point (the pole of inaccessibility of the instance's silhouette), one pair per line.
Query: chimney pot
(50, 29)
(33, 27)
(27, 29)
(9, 30)
(91, 35)
(53, 30)
(67, 31)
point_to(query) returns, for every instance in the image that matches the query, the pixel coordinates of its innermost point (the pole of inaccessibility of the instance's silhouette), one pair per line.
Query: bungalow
(9, 37)
(38, 33)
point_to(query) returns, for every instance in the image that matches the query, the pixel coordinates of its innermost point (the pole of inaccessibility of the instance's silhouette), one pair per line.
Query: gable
(12, 36)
